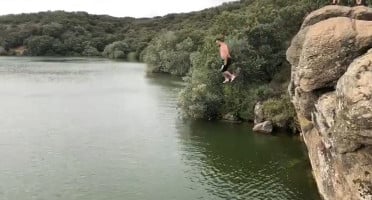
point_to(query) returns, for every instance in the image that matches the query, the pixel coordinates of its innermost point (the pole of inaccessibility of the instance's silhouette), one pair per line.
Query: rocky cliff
(331, 89)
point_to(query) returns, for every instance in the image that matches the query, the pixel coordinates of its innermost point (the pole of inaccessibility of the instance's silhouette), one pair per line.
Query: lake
(94, 129)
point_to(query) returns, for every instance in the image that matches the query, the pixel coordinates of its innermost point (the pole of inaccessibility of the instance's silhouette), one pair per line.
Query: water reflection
(103, 130)
(228, 161)
(233, 163)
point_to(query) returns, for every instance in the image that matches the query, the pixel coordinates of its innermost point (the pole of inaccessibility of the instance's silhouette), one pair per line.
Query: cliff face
(331, 89)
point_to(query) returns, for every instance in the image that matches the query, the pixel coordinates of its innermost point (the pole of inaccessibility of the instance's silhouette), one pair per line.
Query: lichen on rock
(331, 89)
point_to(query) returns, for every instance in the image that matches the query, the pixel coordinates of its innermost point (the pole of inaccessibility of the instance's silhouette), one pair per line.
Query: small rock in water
(265, 127)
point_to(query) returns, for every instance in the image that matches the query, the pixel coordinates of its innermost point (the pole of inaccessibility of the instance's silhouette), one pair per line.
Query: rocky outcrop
(261, 124)
(264, 127)
(258, 113)
(230, 117)
(331, 89)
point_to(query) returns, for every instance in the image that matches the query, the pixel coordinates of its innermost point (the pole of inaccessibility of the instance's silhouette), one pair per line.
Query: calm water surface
(93, 129)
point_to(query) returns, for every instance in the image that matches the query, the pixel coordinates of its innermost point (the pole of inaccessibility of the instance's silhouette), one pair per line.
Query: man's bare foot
(233, 77)
(226, 80)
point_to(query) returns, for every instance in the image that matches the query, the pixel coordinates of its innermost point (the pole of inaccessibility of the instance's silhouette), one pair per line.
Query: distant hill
(81, 34)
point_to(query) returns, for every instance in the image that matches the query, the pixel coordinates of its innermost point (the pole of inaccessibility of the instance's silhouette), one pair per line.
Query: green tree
(40, 45)
(258, 35)
(169, 53)
(53, 29)
(90, 51)
(203, 96)
(116, 50)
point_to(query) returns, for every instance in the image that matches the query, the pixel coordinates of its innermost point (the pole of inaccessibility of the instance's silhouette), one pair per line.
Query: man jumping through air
(226, 59)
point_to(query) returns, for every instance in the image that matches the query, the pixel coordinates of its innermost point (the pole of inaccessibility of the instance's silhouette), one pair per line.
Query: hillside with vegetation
(60, 33)
(257, 31)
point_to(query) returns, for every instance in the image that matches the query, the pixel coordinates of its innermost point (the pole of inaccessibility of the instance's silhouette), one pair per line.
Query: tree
(53, 29)
(116, 50)
(2, 51)
(170, 53)
(40, 45)
(90, 51)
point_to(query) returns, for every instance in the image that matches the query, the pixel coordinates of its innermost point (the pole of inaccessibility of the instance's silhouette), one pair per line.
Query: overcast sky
(117, 8)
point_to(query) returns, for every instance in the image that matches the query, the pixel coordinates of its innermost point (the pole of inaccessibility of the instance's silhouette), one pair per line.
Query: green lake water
(94, 129)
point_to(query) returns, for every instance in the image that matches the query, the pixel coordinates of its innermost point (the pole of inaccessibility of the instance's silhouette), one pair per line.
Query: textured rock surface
(331, 89)
(230, 117)
(258, 113)
(264, 127)
(354, 94)
(359, 12)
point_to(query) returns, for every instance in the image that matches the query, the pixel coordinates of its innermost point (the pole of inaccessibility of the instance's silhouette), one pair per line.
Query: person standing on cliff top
(358, 2)
(226, 59)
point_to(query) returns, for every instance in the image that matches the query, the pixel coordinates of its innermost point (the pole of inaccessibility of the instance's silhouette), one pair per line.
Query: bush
(53, 29)
(2, 51)
(280, 111)
(199, 103)
(258, 50)
(169, 53)
(116, 50)
(132, 56)
(90, 51)
(203, 97)
(41, 45)
(74, 44)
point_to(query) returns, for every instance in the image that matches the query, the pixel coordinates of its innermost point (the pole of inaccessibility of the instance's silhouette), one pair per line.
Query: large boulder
(330, 45)
(264, 127)
(258, 113)
(230, 117)
(353, 127)
(331, 89)
(324, 116)
(359, 12)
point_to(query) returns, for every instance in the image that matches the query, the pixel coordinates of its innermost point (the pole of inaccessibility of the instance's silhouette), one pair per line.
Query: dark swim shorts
(224, 67)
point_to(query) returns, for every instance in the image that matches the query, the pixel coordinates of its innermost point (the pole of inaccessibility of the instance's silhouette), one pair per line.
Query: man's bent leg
(227, 77)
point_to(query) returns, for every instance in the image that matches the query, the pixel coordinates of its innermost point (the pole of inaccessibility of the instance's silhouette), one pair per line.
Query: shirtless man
(226, 59)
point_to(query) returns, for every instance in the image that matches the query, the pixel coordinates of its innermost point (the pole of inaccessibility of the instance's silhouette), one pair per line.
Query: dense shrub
(170, 53)
(116, 50)
(203, 96)
(90, 51)
(2, 51)
(258, 34)
(280, 111)
(41, 45)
